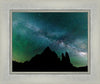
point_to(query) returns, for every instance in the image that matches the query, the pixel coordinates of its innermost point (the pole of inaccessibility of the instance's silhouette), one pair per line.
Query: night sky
(32, 32)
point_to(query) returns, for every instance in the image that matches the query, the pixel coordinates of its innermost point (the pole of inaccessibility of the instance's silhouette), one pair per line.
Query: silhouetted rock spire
(66, 60)
(63, 58)
(67, 57)
(47, 49)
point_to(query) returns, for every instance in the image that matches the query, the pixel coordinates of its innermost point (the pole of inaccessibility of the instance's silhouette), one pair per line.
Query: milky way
(32, 32)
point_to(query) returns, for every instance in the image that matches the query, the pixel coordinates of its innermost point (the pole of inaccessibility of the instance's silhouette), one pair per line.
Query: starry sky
(32, 32)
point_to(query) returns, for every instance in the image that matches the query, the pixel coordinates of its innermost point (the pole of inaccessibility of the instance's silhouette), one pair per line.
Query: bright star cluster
(32, 32)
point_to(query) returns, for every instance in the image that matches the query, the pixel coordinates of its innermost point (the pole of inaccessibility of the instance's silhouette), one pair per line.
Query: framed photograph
(49, 42)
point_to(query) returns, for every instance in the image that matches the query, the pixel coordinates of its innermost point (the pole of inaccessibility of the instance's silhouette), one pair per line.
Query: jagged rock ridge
(47, 61)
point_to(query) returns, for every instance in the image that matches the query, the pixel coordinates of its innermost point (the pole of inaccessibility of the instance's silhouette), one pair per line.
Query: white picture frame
(7, 78)
(53, 11)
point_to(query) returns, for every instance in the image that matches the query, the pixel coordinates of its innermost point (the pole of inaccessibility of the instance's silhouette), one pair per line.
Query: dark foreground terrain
(47, 61)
